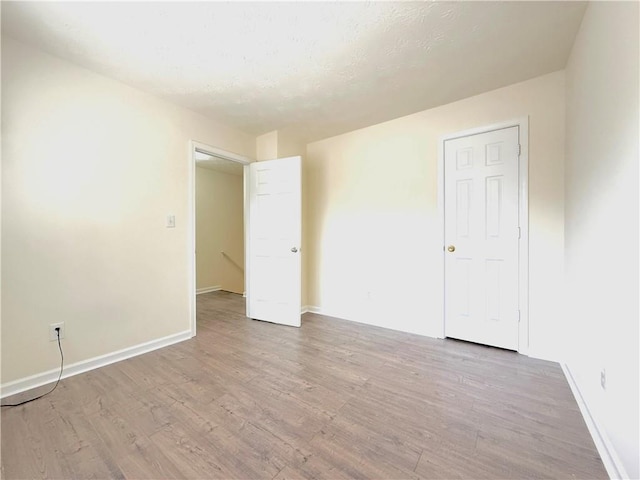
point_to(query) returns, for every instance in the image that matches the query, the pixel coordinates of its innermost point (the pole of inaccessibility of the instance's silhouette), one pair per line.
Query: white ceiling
(316, 68)
(210, 162)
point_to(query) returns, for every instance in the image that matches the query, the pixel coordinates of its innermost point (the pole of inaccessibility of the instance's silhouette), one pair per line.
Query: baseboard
(304, 309)
(215, 288)
(27, 383)
(542, 355)
(319, 311)
(330, 313)
(610, 458)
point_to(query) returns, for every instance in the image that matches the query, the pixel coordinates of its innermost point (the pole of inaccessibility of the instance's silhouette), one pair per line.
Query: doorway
(485, 218)
(217, 223)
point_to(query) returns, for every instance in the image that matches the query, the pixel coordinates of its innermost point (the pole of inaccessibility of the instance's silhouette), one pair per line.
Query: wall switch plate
(171, 221)
(53, 336)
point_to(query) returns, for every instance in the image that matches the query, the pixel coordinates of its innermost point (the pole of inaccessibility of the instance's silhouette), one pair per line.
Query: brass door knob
(451, 248)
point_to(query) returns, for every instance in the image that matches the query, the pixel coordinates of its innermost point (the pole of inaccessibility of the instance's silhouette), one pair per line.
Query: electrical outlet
(53, 335)
(603, 379)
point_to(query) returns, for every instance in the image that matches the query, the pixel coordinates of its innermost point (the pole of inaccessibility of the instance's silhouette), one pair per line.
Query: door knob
(294, 249)
(451, 248)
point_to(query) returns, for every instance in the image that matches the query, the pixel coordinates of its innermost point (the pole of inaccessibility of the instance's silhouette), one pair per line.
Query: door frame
(523, 213)
(191, 217)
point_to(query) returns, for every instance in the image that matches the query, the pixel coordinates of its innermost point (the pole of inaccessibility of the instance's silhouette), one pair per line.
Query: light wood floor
(331, 400)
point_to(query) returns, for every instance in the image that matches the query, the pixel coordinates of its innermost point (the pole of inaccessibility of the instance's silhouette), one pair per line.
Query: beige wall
(375, 248)
(267, 146)
(219, 228)
(601, 229)
(289, 145)
(279, 144)
(90, 169)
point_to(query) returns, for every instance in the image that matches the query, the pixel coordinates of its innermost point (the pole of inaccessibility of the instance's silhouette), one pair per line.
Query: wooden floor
(331, 400)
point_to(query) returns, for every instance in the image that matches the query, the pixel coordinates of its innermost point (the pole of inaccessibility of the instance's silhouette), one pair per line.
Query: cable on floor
(54, 387)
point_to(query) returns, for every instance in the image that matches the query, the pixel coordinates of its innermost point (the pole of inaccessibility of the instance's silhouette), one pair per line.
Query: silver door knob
(294, 249)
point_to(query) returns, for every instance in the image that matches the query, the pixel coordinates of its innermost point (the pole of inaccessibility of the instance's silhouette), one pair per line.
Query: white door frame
(191, 220)
(523, 213)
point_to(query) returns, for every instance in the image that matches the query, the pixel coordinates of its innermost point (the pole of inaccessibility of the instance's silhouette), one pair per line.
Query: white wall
(90, 169)
(601, 226)
(375, 247)
(219, 228)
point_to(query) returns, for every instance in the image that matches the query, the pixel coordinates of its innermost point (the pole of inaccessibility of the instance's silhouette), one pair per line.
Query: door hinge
(519, 233)
(518, 316)
(519, 149)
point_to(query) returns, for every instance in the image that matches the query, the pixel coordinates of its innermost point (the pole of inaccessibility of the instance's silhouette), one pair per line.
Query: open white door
(273, 238)
(482, 237)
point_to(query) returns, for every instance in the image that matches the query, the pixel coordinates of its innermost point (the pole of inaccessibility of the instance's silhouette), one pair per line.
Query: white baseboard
(542, 355)
(320, 311)
(215, 288)
(327, 313)
(610, 458)
(27, 383)
(304, 309)
(340, 316)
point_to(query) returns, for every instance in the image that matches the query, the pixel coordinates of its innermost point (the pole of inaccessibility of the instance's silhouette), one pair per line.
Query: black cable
(54, 387)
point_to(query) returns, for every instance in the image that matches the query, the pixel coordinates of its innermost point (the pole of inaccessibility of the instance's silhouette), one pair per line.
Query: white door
(273, 240)
(482, 237)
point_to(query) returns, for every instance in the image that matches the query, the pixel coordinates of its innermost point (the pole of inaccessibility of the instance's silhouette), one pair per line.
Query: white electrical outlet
(53, 335)
(171, 221)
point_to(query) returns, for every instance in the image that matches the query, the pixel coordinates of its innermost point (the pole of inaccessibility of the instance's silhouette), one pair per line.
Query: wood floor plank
(537, 451)
(293, 421)
(357, 459)
(445, 462)
(131, 449)
(397, 449)
(220, 453)
(77, 444)
(27, 443)
(330, 400)
(305, 392)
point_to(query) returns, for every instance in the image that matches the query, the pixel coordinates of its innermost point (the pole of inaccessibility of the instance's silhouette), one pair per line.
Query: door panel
(273, 241)
(481, 227)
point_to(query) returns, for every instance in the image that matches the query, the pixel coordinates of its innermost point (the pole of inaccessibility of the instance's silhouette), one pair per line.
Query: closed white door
(482, 238)
(273, 240)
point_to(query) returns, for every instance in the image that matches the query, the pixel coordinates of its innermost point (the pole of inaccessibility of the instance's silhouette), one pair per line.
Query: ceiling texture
(218, 164)
(316, 69)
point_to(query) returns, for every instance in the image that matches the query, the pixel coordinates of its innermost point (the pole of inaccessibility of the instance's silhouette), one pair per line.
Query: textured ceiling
(317, 69)
(218, 164)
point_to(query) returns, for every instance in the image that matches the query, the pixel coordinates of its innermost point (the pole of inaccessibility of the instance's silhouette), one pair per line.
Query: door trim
(191, 216)
(523, 213)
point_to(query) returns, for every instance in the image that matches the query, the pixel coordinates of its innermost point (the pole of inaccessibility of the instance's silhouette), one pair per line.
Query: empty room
(320, 240)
